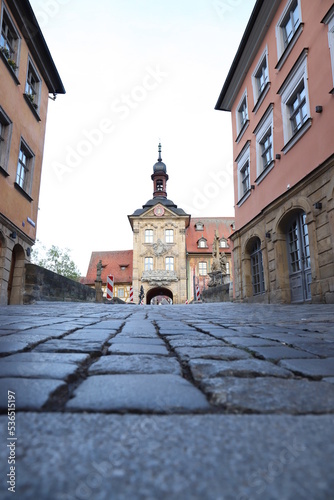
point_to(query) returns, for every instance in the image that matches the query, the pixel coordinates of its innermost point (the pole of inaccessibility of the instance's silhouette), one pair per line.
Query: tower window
(160, 185)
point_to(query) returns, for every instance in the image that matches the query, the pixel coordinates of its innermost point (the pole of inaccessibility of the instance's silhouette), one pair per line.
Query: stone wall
(44, 285)
(220, 293)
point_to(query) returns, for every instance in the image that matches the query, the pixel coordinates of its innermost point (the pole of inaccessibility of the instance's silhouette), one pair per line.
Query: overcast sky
(135, 71)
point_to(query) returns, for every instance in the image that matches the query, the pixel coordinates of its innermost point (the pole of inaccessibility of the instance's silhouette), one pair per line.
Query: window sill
(265, 172)
(242, 131)
(10, 69)
(3, 172)
(261, 97)
(32, 107)
(22, 191)
(295, 138)
(289, 47)
(244, 198)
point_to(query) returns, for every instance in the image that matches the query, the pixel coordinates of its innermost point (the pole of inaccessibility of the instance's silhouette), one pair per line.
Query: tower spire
(159, 177)
(159, 150)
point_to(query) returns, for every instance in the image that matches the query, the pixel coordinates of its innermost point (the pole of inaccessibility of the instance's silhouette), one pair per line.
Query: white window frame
(169, 263)
(148, 264)
(202, 268)
(6, 127)
(223, 243)
(149, 236)
(33, 91)
(242, 160)
(200, 241)
(265, 125)
(242, 124)
(199, 226)
(329, 20)
(14, 52)
(120, 293)
(297, 76)
(259, 94)
(169, 235)
(283, 49)
(25, 183)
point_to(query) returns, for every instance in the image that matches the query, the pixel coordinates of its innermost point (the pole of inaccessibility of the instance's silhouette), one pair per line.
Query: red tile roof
(111, 262)
(222, 224)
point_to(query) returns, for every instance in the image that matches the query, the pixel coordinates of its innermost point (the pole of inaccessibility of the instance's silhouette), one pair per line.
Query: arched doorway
(298, 261)
(15, 283)
(158, 296)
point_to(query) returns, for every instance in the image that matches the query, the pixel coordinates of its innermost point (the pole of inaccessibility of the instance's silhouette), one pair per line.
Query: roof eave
(28, 24)
(257, 26)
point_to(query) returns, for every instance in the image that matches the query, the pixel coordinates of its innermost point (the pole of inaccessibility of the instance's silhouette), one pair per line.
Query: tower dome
(159, 166)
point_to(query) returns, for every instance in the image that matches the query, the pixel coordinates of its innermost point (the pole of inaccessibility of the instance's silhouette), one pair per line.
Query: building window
(264, 144)
(295, 103)
(202, 268)
(24, 168)
(260, 80)
(33, 85)
(257, 268)
(202, 243)
(242, 116)
(227, 268)
(243, 162)
(290, 23)
(169, 235)
(160, 185)
(329, 20)
(288, 29)
(298, 108)
(5, 137)
(120, 293)
(169, 263)
(223, 243)
(199, 226)
(9, 39)
(148, 235)
(148, 264)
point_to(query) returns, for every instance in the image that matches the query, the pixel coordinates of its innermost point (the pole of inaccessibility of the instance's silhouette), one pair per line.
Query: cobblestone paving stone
(206, 401)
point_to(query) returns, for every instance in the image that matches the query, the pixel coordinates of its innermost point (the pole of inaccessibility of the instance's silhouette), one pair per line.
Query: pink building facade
(280, 92)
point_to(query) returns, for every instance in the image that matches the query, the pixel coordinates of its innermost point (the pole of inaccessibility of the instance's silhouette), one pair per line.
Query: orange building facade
(27, 76)
(280, 92)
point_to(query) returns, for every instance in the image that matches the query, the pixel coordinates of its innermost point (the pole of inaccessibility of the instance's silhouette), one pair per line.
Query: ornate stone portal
(159, 277)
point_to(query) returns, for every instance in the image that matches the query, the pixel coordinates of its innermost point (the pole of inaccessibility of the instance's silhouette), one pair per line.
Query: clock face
(159, 211)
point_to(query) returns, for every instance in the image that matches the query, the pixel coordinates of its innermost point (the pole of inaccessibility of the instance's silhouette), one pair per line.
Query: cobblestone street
(209, 401)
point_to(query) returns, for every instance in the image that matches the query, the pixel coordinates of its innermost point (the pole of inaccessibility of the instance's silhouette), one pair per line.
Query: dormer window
(223, 243)
(202, 243)
(123, 266)
(199, 226)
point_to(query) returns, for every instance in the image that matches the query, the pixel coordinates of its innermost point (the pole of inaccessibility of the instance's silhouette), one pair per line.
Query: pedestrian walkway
(207, 401)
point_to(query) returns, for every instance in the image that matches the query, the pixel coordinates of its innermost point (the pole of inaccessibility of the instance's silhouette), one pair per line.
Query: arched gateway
(159, 295)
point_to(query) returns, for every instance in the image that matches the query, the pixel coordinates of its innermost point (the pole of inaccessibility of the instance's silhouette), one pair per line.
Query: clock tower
(159, 245)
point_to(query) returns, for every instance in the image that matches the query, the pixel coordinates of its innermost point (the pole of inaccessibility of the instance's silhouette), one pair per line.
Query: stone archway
(159, 293)
(15, 283)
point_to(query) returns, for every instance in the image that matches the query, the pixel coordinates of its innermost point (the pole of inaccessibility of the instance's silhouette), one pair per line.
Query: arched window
(257, 268)
(202, 243)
